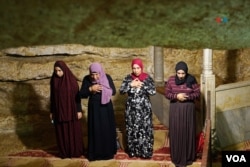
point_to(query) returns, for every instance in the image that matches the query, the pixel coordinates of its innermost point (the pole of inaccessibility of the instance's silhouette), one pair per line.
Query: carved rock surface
(25, 75)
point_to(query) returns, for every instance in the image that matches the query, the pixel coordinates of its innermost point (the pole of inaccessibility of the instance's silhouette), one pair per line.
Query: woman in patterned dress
(138, 113)
(182, 90)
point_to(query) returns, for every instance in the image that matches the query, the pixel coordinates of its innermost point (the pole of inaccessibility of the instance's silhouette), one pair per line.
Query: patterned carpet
(48, 157)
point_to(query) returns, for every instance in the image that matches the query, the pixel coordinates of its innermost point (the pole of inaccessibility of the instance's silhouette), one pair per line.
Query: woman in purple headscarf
(98, 87)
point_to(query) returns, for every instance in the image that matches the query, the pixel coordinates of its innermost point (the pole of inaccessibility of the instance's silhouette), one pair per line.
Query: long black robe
(101, 123)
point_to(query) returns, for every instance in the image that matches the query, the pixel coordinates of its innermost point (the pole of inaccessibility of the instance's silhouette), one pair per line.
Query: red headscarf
(63, 92)
(143, 75)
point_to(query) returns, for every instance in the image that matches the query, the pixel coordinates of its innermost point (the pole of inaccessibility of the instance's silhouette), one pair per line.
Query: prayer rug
(48, 158)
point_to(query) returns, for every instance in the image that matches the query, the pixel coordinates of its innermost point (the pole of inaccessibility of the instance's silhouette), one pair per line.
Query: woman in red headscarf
(66, 111)
(98, 87)
(138, 114)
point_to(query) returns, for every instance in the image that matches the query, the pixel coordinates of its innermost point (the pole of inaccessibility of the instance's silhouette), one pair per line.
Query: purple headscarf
(103, 80)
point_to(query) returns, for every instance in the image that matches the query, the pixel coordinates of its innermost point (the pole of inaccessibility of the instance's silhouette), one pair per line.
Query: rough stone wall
(25, 74)
(24, 86)
(228, 66)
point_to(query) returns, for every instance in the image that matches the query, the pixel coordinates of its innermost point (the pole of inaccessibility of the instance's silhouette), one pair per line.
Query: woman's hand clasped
(136, 83)
(95, 88)
(79, 115)
(182, 96)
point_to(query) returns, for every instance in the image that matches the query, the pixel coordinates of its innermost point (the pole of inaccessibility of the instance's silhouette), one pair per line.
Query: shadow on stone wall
(231, 69)
(33, 125)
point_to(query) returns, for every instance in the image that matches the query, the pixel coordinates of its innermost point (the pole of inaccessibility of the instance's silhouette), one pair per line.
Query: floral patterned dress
(138, 117)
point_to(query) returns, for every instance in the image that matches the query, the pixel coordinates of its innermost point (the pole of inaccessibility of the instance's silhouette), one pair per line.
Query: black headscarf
(189, 79)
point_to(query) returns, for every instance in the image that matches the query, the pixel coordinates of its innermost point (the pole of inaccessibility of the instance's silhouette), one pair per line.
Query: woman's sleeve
(111, 84)
(84, 91)
(168, 91)
(52, 99)
(149, 86)
(78, 102)
(195, 94)
(125, 86)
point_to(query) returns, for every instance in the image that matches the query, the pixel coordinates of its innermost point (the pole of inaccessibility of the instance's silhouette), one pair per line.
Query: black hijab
(189, 79)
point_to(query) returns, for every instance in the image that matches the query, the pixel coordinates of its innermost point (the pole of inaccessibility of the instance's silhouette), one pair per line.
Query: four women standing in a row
(181, 89)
